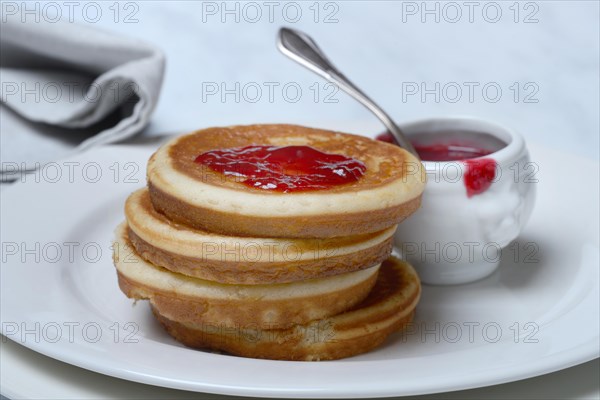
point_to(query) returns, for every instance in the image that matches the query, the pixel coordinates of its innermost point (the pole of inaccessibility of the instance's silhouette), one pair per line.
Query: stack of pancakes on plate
(301, 275)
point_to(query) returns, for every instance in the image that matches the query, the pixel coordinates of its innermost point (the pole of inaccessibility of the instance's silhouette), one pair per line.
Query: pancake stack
(293, 275)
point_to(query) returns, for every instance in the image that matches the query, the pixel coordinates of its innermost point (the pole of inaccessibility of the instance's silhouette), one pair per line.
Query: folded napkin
(66, 87)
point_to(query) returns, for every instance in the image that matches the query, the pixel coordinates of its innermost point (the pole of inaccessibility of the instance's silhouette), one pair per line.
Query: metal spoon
(302, 48)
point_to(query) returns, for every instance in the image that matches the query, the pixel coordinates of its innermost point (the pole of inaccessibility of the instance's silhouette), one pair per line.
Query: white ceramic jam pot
(472, 207)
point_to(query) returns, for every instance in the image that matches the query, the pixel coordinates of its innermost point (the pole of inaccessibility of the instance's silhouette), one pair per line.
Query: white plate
(546, 311)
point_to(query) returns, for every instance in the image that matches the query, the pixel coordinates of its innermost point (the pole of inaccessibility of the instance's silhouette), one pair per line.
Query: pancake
(196, 301)
(389, 307)
(246, 260)
(192, 194)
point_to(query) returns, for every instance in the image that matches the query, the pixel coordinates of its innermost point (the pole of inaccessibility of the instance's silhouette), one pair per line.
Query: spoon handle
(304, 50)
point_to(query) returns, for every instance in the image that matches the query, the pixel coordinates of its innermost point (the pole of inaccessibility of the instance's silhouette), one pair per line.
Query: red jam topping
(480, 172)
(284, 169)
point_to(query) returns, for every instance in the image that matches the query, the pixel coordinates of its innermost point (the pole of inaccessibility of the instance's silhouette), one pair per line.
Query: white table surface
(386, 50)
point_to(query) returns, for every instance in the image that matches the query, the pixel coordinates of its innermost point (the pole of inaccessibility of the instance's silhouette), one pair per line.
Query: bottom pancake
(389, 307)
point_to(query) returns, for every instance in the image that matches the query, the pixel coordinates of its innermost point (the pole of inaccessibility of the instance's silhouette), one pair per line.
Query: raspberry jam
(480, 172)
(442, 152)
(479, 175)
(283, 169)
(449, 152)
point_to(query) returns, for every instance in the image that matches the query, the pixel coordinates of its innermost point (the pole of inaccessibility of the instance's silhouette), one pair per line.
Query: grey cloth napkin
(67, 87)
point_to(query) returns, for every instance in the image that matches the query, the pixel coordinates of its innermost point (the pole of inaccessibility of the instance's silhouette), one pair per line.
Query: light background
(386, 50)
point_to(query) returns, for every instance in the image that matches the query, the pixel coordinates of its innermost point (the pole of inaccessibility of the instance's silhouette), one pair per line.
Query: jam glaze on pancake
(246, 260)
(283, 168)
(198, 301)
(192, 194)
(389, 307)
